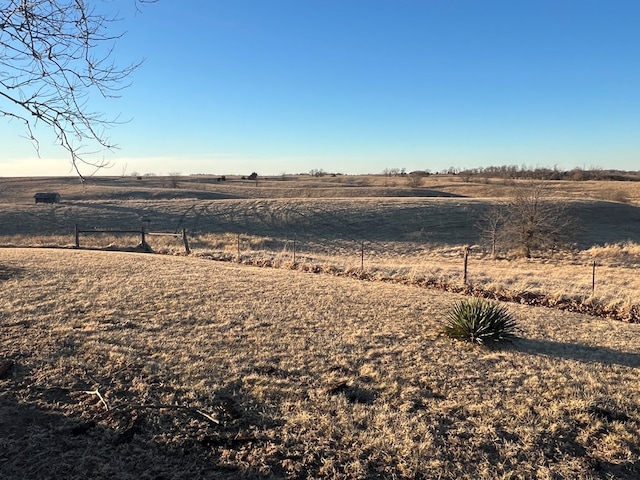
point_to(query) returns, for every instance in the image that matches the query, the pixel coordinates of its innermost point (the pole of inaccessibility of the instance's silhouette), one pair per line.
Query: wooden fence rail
(142, 232)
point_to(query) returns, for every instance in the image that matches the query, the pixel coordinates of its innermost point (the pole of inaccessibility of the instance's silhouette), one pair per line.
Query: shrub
(480, 321)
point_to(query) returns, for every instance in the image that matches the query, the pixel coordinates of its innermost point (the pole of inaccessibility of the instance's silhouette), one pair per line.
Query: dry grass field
(406, 233)
(332, 364)
(121, 365)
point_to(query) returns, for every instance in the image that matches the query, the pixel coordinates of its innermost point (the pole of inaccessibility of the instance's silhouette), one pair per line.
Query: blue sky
(357, 86)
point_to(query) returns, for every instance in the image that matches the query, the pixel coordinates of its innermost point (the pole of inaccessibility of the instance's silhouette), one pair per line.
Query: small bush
(480, 321)
(613, 196)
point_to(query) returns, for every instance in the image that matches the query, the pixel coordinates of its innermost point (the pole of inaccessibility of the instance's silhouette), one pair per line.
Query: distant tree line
(513, 172)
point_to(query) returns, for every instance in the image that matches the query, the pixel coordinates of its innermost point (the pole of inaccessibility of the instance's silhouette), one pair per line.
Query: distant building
(47, 197)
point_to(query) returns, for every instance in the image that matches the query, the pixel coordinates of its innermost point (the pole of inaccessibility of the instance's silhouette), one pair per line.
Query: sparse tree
(414, 181)
(465, 176)
(394, 172)
(174, 179)
(54, 56)
(529, 222)
(491, 227)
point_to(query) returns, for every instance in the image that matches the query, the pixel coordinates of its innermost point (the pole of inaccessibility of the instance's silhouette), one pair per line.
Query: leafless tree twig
(54, 56)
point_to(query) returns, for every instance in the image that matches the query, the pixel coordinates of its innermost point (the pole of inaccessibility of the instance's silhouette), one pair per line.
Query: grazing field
(121, 365)
(380, 226)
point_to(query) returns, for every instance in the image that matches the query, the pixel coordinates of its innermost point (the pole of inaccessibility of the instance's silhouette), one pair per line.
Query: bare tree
(174, 179)
(54, 55)
(491, 226)
(530, 221)
(414, 180)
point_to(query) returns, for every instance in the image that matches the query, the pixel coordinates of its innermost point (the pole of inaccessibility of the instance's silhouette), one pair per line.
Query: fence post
(238, 248)
(362, 257)
(466, 264)
(295, 238)
(593, 279)
(186, 241)
(77, 236)
(142, 239)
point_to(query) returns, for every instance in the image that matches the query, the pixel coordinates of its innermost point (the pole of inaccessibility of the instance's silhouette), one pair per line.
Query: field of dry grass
(142, 366)
(173, 366)
(407, 234)
(21, 190)
(442, 211)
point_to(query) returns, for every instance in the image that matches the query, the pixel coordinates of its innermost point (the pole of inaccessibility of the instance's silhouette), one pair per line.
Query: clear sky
(357, 86)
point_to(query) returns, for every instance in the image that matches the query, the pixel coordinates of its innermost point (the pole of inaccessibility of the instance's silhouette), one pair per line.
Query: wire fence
(143, 245)
(358, 247)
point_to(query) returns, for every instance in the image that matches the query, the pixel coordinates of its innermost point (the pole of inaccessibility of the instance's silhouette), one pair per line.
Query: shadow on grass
(41, 440)
(604, 222)
(7, 273)
(420, 192)
(575, 351)
(46, 444)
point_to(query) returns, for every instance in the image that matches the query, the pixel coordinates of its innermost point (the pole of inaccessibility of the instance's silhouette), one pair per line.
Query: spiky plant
(480, 321)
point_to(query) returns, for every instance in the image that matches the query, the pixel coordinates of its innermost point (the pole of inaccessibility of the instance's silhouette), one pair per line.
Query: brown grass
(565, 282)
(410, 239)
(21, 190)
(302, 376)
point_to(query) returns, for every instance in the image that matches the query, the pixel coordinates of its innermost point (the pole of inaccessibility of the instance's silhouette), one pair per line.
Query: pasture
(124, 365)
(139, 366)
(383, 226)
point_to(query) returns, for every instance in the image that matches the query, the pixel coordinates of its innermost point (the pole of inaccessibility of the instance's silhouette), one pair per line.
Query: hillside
(443, 211)
(137, 366)
(372, 226)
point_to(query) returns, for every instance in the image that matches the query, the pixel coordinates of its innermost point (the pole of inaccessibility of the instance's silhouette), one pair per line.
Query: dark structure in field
(47, 197)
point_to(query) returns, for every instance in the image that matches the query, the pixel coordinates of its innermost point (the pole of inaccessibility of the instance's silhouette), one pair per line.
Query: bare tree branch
(54, 56)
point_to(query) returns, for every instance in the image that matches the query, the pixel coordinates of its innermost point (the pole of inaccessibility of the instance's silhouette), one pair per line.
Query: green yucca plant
(480, 321)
